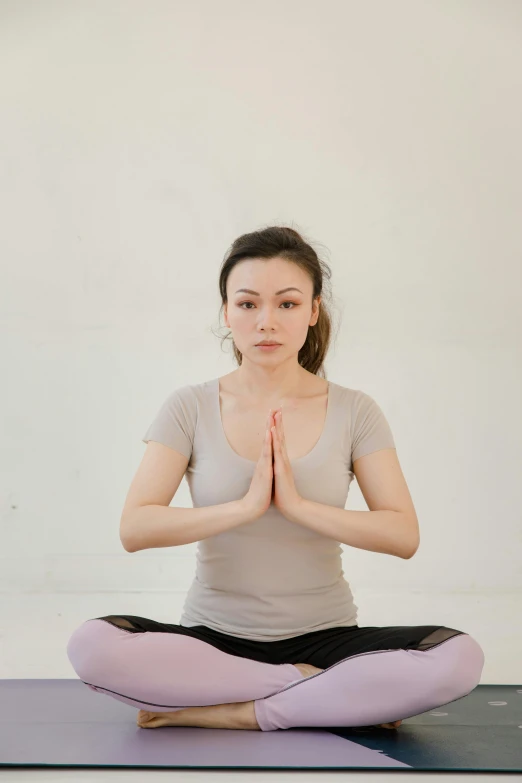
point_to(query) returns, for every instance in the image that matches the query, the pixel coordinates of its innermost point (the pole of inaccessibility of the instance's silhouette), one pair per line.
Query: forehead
(268, 276)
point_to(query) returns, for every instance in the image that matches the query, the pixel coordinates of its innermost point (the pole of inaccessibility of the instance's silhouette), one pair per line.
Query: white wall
(138, 139)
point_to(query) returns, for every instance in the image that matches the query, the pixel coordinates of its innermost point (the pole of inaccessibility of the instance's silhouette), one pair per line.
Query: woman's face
(267, 314)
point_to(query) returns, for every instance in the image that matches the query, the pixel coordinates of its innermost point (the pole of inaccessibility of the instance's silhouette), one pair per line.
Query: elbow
(127, 545)
(125, 538)
(412, 535)
(411, 552)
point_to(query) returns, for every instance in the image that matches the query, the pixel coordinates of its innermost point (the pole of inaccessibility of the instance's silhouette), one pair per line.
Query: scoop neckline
(314, 448)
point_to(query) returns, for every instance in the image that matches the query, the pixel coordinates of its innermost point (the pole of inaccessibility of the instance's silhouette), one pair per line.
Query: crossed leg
(381, 686)
(363, 690)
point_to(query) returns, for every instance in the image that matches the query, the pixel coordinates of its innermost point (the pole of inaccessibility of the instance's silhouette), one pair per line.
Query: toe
(147, 720)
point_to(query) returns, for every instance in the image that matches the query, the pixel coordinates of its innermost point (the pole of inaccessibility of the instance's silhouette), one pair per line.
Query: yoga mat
(63, 723)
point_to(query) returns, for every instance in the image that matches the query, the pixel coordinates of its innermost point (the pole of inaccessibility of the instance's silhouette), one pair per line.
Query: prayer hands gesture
(273, 479)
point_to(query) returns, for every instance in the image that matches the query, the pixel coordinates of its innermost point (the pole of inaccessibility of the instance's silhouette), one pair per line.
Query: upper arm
(157, 479)
(382, 483)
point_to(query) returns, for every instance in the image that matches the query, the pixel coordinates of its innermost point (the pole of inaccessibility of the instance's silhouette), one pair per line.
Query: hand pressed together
(273, 479)
(286, 497)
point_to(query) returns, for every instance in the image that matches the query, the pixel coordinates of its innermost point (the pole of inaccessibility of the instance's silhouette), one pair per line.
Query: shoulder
(189, 393)
(185, 401)
(356, 400)
(364, 414)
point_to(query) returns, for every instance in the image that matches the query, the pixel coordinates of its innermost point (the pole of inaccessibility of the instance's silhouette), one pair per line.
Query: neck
(263, 383)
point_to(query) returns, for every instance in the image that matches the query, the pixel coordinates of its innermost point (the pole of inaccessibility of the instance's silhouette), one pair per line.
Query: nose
(267, 318)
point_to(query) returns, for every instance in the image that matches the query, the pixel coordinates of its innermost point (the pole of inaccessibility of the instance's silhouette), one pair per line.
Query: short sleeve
(175, 422)
(370, 430)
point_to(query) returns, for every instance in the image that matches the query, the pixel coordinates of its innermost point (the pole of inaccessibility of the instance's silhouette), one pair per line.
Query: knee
(85, 649)
(464, 662)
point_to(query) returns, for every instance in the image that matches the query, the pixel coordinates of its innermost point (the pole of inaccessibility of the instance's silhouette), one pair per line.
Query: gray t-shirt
(269, 579)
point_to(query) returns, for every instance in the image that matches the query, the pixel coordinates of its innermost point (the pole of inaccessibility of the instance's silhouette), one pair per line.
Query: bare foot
(238, 715)
(394, 725)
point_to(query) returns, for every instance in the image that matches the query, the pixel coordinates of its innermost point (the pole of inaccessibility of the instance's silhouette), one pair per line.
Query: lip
(269, 347)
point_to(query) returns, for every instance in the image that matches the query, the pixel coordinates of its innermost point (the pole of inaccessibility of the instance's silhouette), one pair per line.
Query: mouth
(266, 345)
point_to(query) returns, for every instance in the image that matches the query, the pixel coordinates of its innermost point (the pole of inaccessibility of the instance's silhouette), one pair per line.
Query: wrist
(245, 510)
(295, 511)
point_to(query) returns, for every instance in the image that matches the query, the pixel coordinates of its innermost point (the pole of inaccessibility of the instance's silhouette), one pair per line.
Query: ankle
(246, 716)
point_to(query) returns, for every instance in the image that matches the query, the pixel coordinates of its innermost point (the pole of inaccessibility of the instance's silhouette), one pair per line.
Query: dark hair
(286, 243)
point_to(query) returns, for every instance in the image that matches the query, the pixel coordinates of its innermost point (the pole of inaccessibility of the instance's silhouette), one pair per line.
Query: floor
(36, 627)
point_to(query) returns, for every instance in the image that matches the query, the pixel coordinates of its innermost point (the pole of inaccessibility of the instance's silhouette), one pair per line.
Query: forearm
(388, 532)
(151, 527)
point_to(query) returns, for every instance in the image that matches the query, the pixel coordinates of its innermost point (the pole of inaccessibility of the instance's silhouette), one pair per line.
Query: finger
(279, 422)
(275, 438)
(276, 452)
(280, 433)
(268, 437)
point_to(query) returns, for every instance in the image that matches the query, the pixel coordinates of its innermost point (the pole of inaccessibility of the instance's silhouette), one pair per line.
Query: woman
(268, 638)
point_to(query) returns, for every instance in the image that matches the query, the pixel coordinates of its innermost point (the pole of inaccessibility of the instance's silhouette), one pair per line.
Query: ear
(315, 316)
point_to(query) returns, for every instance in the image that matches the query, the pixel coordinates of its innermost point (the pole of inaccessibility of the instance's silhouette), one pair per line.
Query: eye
(294, 304)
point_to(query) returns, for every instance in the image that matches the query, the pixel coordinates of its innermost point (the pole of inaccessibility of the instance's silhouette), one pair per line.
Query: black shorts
(319, 648)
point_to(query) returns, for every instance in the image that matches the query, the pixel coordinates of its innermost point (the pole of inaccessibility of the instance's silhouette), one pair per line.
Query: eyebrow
(256, 293)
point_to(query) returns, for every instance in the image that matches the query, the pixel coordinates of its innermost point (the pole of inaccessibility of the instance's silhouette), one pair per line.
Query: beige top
(269, 579)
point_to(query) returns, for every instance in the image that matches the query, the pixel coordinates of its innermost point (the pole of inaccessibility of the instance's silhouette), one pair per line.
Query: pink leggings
(167, 672)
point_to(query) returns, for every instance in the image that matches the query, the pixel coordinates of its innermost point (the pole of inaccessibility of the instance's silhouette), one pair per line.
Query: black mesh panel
(438, 636)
